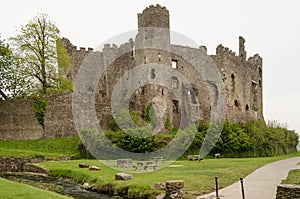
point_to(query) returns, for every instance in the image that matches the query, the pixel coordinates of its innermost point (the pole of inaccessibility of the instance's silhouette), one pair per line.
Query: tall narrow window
(232, 82)
(174, 83)
(254, 96)
(145, 60)
(259, 72)
(193, 96)
(175, 106)
(153, 73)
(236, 103)
(247, 107)
(142, 90)
(159, 57)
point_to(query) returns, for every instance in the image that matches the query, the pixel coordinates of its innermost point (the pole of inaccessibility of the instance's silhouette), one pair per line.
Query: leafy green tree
(5, 62)
(42, 56)
(11, 85)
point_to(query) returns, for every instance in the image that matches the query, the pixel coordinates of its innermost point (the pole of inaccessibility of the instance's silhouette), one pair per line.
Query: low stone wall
(288, 191)
(175, 189)
(18, 121)
(9, 164)
(34, 169)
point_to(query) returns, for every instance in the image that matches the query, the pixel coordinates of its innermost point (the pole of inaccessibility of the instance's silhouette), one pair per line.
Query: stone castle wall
(18, 121)
(243, 83)
(58, 120)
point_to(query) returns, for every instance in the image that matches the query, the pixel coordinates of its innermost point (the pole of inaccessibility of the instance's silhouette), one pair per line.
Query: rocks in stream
(87, 186)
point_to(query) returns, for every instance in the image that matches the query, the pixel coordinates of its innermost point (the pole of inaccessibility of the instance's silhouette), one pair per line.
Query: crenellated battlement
(222, 51)
(154, 16)
(255, 59)
(70, 47)
(155, 7)
(82, 49)
(110, 47)
(254, 62)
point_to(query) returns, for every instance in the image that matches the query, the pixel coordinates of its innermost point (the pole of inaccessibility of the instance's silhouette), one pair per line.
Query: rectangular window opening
(174, 64)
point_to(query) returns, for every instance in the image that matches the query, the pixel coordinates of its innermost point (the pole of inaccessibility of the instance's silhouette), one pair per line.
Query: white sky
(271, 28)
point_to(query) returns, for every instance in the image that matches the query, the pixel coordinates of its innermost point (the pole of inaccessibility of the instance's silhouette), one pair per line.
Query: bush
(39, 107)
(255, 139)
(251, 139)
(133, 142)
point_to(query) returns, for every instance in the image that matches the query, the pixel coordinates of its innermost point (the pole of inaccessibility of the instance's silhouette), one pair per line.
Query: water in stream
(54, 184)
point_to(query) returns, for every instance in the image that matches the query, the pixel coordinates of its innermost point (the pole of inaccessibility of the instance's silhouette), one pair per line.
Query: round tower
(152, 43)
(154, 16)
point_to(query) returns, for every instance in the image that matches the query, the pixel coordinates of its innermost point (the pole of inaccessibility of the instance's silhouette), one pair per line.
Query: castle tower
(152, 43)
(152, 46)
(154, 16)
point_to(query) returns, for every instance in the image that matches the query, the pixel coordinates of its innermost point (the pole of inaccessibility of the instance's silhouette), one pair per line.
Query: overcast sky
(271, 28)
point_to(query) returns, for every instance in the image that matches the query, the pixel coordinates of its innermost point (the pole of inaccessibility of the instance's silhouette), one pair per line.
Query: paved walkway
(261, 184)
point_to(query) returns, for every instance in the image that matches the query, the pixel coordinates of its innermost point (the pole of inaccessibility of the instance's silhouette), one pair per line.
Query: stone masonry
(18, 121)
(242, 76)
(288, 191)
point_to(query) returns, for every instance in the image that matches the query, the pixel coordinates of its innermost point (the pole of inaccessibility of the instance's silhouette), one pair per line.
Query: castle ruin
(241, 76)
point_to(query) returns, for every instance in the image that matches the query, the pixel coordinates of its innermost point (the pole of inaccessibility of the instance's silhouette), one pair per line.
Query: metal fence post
(217, 188)
(242, 186)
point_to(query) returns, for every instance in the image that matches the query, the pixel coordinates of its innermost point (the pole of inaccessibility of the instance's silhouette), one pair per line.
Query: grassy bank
(47, 148)
(293, 177)
(12, 190)
(198, 176)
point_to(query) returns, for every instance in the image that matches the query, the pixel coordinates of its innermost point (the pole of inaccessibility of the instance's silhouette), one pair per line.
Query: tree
(42, 56)
(11, 85)
(5, 62)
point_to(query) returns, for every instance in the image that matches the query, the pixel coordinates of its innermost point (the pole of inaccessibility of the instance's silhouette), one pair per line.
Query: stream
(55, 185)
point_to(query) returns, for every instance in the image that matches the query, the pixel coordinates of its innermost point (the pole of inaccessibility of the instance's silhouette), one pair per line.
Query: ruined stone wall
(58, 116)
(58, 120)
(77, 56)
(12, 164)
(288, 191)
(18, 121)
(198, 86)
(118, 62)
(241, 76)
(243, 83)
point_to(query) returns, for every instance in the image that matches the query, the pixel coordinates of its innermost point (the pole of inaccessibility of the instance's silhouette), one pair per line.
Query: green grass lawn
(13, 190)
(293, 177)
(47, 148)
(198, 176)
